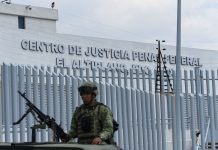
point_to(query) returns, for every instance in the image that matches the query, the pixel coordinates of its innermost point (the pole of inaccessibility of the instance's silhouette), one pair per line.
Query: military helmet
(88, 87)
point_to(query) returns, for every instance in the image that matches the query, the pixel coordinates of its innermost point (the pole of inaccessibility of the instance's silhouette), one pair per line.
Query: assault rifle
(42, 119)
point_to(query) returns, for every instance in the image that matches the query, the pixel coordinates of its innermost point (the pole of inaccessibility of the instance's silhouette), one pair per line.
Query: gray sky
(138, 20)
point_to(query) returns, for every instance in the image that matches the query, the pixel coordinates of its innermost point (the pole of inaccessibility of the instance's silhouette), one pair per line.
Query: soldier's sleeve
(73, 128)
(107, 123)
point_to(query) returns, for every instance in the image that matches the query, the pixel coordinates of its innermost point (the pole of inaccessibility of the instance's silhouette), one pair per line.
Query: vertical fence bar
(144, 125)
(74, 72)
(120, 118)
(114, 107)
(169, 110)
(212, 122)
(183, 122)
(124, 115)
(153, 124)
(113, 76)
(186, 98)
(22, 105)
(81, 73)
(55, 98)
(106, 75)
(43, 102)
(7, 112)
(80, 81)
(202, 81)
(87, 74)
(157, 108)
(94, 75)
(28, 93)
(207, 85)
(108, 95)
(68, 103)
(148, 120)
(163, 121)
(68, 71)
(131, 78)
(150, 80)
(139, 119)
(119, 77)
(74, 94)
(137, 79)
(192, 81)
(178, 125)
(50, 103)
(129, 118)
(197, 87)
(100, 74)
(212, 127)
(134, 118)
(125, 78)
(14, 101)
(1, 105)
(193, 123)
(144, 80)
(214, 98)
(174, 131)
(102, 93)
(62, 100)
(35, 93)
(202, 116)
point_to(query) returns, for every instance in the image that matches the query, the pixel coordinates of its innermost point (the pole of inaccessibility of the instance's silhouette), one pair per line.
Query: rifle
(42, 119)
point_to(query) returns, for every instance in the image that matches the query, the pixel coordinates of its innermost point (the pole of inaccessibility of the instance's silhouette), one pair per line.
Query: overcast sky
(138, 20)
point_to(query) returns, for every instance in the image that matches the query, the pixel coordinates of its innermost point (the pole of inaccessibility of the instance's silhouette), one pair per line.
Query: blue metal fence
(147, 119)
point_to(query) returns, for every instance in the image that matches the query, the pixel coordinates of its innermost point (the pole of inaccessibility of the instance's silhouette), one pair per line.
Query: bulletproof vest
(88, 123)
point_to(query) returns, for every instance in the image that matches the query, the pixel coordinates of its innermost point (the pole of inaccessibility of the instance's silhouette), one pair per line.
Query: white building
(28, 36)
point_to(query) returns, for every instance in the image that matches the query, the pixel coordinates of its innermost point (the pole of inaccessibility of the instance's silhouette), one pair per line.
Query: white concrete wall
(8, 22)
(36, 18)
(11, 51)
(41, 26)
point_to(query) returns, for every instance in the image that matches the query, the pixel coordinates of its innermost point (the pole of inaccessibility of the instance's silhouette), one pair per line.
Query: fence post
(113, 107)
(124, 115)
(68, 103)
(120, 118)
(42, 100)
(22, 105)
(1, 105)
(49, 101)
(139, 118)
(202, 125)
(134, 118)
(183, 121)
(6, 102)
(14, 101)
(212, 127)
(148, 120)
(29, 95)
(163, 121)
(214, 99)
(157, 108)
(193, 122)
(35, 93)
(144, 124)
(153, 124)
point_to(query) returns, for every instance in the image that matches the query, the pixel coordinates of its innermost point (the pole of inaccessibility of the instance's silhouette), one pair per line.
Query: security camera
(29, 7)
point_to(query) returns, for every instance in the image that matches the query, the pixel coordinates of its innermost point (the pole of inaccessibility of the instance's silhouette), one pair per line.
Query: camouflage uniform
(93, 121)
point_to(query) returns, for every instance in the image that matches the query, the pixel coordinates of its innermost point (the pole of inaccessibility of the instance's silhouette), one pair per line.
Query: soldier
(92, 122)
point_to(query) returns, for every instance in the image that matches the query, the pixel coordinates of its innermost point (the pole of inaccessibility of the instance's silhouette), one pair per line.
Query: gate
(148, 120)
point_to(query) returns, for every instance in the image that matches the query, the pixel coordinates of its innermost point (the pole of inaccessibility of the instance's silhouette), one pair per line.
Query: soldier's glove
(65, 138)
(97, 140)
